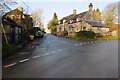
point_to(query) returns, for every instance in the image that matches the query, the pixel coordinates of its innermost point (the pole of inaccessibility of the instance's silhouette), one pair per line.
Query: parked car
(39, 34)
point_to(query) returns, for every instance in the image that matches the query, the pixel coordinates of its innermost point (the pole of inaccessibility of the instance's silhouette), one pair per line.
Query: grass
(96, 38)
(108, 38)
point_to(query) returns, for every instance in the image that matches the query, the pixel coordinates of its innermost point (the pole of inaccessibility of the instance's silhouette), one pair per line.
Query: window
(62, 28)
(16, 30)
(77, 19)
(23, 16)
(71, 21)
(59, 22)
(20, 30)
(64, 21)
(70, 28)
(12, 30)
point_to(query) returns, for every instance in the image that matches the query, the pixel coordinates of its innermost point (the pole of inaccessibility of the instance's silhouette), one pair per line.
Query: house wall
(96, 29)
(74, 27)
(79, 26)
(105, 29)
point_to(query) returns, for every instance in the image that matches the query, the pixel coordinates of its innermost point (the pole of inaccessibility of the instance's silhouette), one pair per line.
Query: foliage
(52, 24)
(112, 7)
(110, 14)
(108, 19)
(107, 38)
(85, 35)
(98, 14)
(115, 27)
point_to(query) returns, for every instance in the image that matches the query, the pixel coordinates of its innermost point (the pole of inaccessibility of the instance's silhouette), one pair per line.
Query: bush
(85, 35)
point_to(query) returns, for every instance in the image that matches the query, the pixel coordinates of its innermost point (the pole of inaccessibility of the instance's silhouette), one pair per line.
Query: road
(57, 57)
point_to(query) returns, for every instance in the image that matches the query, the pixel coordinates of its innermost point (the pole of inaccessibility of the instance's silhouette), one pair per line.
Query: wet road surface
(57, 57)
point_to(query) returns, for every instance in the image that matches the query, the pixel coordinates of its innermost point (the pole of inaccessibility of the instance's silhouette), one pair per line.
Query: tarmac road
(57, 57)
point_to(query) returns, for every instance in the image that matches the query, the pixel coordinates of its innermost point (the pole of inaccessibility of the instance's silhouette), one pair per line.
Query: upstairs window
(64, 21)
(71, 21)
(59, 22)
(77, 19)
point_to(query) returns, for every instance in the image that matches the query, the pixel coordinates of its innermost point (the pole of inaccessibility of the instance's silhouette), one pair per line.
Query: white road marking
(24, 60)
(46, 54)
(76, 44)
(53, 52)
(36, 56)
(80, 43)
(59, 50)
(10, 65)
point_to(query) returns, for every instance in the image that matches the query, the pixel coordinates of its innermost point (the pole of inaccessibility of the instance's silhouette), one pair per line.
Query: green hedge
(85, 35)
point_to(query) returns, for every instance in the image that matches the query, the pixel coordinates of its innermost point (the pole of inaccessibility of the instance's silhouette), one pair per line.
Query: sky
(62, 7)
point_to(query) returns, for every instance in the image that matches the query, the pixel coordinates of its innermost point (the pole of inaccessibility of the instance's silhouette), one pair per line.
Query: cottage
(76, 22)
(14, 23)
(12, 31)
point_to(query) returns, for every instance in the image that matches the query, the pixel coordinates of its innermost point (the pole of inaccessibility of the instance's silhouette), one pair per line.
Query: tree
(110, 14)
(98, 14)
(5, 5)
(36, 15)
(108, 19)
(52, 24)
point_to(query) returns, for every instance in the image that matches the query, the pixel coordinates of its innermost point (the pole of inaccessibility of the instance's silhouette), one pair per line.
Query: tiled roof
(95, 24)
(73, 17)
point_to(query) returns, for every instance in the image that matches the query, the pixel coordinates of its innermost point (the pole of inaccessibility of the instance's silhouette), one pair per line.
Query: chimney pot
(90, 6)
(74, 11)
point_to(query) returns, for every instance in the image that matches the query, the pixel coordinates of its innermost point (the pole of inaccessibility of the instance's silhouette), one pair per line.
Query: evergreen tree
(52, 24)
(98, 14)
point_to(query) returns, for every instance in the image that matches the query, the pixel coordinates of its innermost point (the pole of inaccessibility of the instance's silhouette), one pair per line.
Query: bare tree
(111, 9)
(36, 15)
(5, 5)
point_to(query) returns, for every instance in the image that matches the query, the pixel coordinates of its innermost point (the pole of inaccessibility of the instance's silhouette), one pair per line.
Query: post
(4, 33)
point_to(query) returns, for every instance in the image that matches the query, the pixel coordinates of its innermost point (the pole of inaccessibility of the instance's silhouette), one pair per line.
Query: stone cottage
(76, 22)
(15, 22)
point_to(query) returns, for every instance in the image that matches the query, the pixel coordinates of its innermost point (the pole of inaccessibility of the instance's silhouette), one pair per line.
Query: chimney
(20, 8)
(74, 11)
(90, 6)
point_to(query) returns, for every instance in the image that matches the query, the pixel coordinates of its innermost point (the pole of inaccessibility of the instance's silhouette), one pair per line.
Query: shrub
(85, 35)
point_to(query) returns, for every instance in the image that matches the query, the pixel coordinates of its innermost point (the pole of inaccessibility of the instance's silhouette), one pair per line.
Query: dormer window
(64, 21)
(77, 19)
(71, 21)
(59, 22)
(23, 16)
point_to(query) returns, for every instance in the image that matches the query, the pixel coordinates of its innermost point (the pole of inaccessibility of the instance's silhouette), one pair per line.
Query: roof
(95, 24)
(74, 16)
(25, 18)
(8, 21)
(15, 12)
